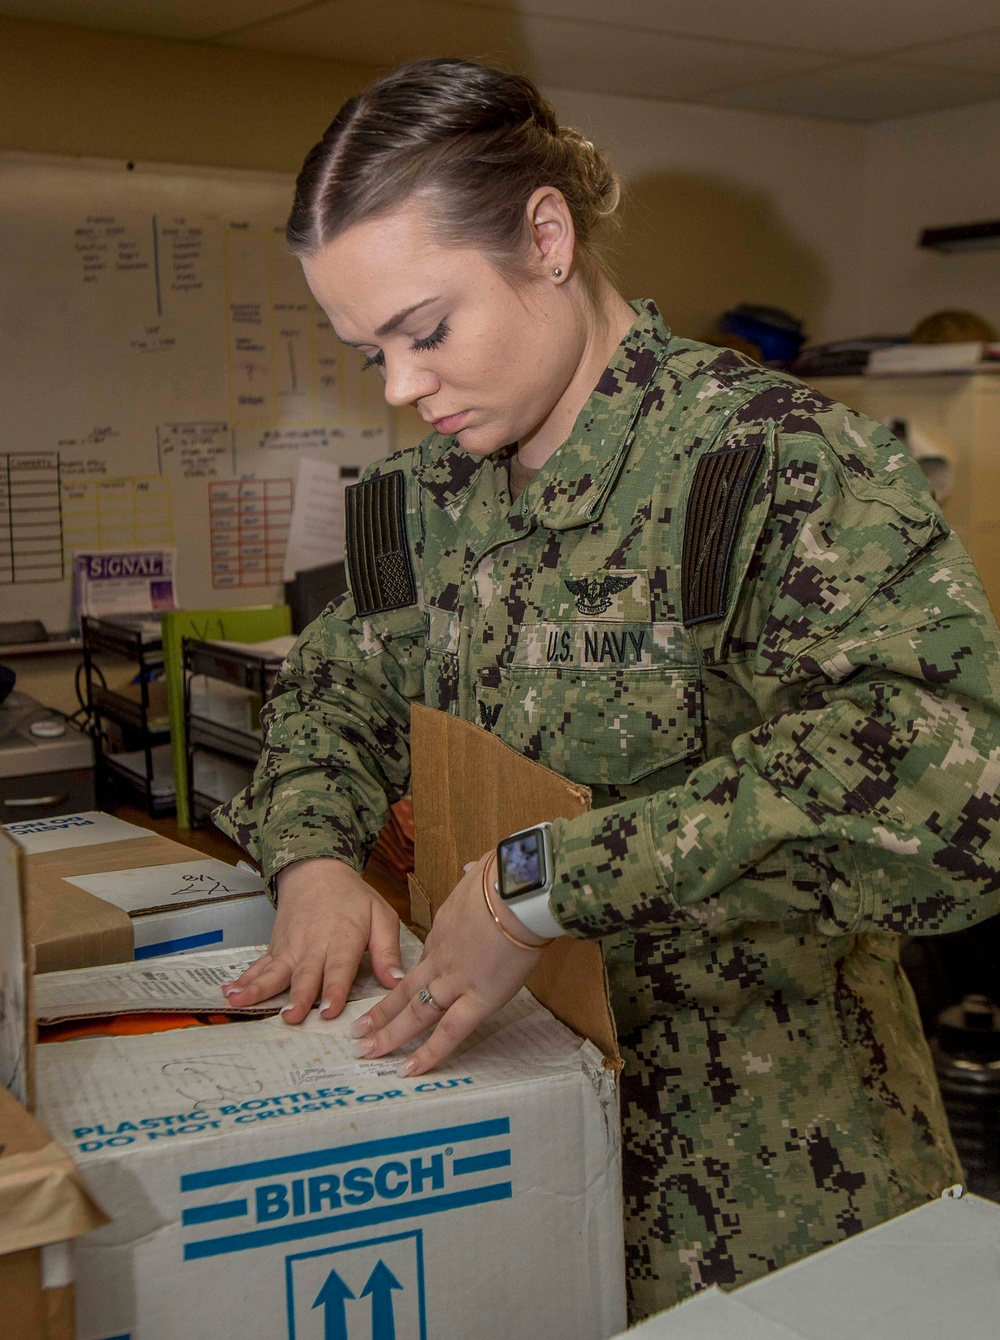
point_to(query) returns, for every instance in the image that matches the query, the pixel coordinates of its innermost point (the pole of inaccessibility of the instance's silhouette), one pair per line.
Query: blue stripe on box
(500, 1158)
(207, 1214)
(178, 946)
(324, 1158)
(338, 1223)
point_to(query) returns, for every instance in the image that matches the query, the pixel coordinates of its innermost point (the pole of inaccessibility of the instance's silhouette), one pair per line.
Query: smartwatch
(524, 879)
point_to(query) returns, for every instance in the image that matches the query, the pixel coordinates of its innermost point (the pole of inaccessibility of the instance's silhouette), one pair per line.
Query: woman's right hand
(327, 917)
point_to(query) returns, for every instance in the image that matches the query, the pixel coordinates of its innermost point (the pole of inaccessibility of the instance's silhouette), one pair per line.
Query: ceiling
(850, 60)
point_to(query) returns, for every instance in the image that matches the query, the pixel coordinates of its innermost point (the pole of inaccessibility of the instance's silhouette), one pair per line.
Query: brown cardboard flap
(126, 854)
(71, 928)
(469, 791)
(58, 1313)
(21, 1293)
(29, 1311)
(16, 1009)
(420, 905)
(43, 1197)
(571, 981)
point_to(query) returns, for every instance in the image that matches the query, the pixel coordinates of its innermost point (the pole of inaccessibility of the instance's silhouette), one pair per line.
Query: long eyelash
(420, 346)
(434, 339)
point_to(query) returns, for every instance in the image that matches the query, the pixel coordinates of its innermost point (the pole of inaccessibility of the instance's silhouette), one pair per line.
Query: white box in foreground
(262, 1182)
(927, 1274)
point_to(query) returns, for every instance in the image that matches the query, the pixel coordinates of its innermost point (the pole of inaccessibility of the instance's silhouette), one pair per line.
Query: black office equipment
(309, 592)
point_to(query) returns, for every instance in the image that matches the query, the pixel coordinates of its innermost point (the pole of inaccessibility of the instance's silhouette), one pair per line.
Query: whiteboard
(163, 370)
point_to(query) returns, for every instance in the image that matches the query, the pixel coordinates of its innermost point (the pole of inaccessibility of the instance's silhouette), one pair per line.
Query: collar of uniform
(465, 485)
(571, 487)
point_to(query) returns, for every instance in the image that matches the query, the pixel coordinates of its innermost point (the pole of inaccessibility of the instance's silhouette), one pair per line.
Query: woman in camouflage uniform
(723, 602)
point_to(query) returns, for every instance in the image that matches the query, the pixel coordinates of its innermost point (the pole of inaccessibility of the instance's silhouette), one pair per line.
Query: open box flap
(469, 791)
(70, 927)
(186, 983)
(43, 1198)
(16, 1026)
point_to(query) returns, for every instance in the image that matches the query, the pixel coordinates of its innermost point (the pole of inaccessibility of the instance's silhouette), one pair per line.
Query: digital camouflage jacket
(730, 607)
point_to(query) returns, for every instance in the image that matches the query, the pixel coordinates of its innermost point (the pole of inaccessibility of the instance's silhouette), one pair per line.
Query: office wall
(921, 172)
(723, 206)
(75, 91)
(72, 91)
(728, 206)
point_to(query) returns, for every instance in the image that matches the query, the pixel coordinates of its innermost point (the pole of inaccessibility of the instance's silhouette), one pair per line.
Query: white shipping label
(169, 885)
(316, 535)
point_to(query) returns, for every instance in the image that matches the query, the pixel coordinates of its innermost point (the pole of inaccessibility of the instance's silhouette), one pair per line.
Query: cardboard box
(261, 1174)
(261, 1181)
(104, 891)
(43, 1202)
(927, 1274)
(470, 790)
(156, 698)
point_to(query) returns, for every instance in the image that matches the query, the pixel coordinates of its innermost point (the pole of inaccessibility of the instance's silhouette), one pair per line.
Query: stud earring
(557, 272)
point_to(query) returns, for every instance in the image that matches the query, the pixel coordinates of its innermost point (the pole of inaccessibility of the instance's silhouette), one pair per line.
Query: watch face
(521, 862)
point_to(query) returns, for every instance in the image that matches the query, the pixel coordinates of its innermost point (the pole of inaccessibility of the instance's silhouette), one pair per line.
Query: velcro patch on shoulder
(378, 557)
(711, 527)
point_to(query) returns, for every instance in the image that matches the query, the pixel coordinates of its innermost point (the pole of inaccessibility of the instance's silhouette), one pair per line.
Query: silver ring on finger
(425, 998)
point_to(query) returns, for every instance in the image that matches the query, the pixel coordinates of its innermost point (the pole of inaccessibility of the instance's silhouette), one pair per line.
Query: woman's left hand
(469, 969)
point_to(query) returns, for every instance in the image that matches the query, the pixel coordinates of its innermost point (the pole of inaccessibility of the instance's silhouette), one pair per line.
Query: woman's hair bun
(597, 175)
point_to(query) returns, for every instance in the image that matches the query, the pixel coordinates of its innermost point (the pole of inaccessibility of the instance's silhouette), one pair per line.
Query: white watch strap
(534, 914)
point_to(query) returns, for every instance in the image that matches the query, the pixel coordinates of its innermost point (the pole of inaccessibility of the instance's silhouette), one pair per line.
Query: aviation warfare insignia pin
(593, 594)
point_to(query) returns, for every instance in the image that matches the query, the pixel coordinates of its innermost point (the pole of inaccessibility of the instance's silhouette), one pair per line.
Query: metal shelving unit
(224, 747)
(129, 724)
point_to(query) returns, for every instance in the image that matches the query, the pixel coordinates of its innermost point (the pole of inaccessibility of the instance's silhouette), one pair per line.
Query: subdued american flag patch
(378, 557)
(711, 527)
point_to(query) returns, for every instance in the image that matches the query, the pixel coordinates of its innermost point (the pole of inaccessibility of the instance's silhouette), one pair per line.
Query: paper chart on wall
(316, 535)
(166, 370)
